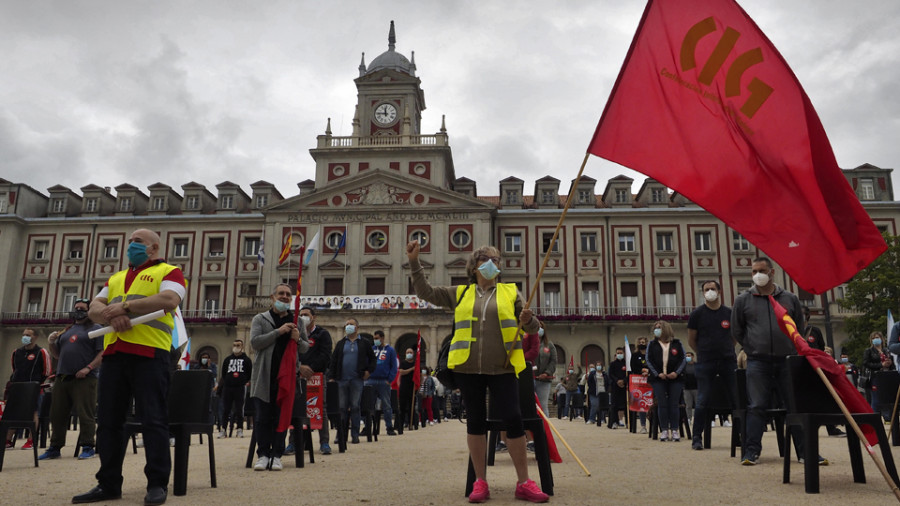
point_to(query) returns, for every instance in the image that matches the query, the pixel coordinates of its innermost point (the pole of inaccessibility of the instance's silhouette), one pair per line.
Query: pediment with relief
(383, 189)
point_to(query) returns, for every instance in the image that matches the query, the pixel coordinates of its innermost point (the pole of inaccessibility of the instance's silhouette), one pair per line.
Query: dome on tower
(391, 59)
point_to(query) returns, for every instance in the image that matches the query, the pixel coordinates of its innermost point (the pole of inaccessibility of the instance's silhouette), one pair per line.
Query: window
(664, 241)
(702, 241)
(552, 300)
(512, 197)
(59, 205)
(806, 298)
(460, 238)
(90, 206)
(251, 246)
(375, 286)
(227, 201)
(159, 203)
(34, 299)
(420, 236)
(40, 249)
(180, 248)
(738, 242)
(626, 242)
(667, 298)
(211, 301)
(621, 196)
(76, 250)
(590, 295)
(545, 243)
(333, 240)
(110, 248)
(334, 286)
(216, 246)
(4, 203)
(657, 195)
(866, 189)
(588, 242)
(743, 286)
(125, 204)
(70, 293)
(628, 302)
(192, 202)
(513, 243)
(548, 197)
(376, 240)
(458, 280)
(585, 196)
(262, 200)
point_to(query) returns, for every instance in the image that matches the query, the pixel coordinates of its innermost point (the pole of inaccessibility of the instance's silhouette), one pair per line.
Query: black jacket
(655, 360)
(318, 357)
(365, 358)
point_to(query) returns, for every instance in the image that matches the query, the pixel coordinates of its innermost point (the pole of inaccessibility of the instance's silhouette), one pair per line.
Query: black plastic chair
(774, 416)
(367, 412)
(532, 421)
(333, 412)
(886, 385)
(810, 406)
(716, 405)
(44, 421)
(21, 403)
(189, 413)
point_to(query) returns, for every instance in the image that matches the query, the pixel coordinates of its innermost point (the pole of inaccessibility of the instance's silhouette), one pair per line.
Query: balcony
(63, 317)
(328, 141)
(613, 314)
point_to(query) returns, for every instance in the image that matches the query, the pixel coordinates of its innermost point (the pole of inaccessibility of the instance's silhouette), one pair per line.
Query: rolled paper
(137, 320)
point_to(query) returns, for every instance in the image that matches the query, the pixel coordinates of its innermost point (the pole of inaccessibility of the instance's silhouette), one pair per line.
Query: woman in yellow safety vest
(485, 323)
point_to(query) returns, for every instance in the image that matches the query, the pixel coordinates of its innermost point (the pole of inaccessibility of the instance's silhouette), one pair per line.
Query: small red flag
(417, 372)
(835, 373)
(705, 104)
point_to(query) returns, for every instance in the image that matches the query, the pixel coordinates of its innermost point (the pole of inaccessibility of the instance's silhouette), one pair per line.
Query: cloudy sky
(108, 92)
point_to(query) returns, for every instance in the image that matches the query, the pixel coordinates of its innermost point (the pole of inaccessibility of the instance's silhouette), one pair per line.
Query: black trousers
(232, 406)
(269, 442)
(145, 379)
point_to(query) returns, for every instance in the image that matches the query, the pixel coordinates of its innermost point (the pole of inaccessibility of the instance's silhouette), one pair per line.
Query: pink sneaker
(480, 492)
(530, 491)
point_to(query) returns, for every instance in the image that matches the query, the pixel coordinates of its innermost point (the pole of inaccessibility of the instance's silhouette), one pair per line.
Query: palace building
(622, 259)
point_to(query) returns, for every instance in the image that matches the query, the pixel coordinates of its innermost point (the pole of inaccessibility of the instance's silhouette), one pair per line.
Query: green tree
(872, 292)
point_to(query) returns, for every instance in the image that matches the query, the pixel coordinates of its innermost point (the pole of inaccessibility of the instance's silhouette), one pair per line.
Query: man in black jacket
(236, 371)
(316, 360)
(352, 362)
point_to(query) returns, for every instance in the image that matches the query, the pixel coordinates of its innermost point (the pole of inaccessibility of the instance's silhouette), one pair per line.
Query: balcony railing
(635, 313)
(328, 141)
(63, 317)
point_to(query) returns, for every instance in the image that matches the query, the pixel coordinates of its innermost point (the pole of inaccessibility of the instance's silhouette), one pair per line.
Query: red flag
(706, 105)
(551, 443)
(286, 250)
(395, 384)
(287, 385)
(417, 372)
(835, 373)
(572, 362)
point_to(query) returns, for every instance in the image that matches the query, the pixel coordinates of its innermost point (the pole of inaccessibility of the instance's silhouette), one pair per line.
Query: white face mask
(711, 295)
(761, 279)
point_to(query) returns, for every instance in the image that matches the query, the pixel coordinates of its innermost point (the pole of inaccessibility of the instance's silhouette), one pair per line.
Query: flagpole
(561, 438)
(537, 280)
(859, 434)
(893, 414)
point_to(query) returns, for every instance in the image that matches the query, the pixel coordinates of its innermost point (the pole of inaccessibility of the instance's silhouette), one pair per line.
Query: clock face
(385, 114)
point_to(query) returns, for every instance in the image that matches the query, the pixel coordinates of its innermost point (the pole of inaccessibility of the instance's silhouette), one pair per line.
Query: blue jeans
(351, 394)
(667, 394)
(762, 377)
(383, 392)
(706, 371)
(595, 408)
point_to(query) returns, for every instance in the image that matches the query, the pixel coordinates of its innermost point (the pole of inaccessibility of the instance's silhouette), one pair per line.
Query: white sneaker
(171, 441)
(221, 434)
(676, 437)
(276, 464)
(712, 424)
(663, 435)
(140, 443)
(240, 433)
(261, 464)
(430, 423)
(726, 424)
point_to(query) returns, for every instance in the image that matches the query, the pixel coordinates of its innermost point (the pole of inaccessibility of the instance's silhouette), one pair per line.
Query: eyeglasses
(482, 258)
(86, 301)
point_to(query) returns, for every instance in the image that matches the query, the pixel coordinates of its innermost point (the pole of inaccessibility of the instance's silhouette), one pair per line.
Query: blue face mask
(489, 270)
(845, 359)
(281, 307)
(876, 341)
(688, 359)
(378, 342)
(26, 340)
(541, 332)
(350, 329)
(593, 369)
(137, 253)
(657, 332)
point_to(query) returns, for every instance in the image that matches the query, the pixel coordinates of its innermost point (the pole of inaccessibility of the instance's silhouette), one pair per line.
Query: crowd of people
(100, 378)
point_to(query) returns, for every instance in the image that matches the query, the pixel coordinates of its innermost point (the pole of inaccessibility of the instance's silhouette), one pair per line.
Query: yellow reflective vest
(464, 319)
(155, 333)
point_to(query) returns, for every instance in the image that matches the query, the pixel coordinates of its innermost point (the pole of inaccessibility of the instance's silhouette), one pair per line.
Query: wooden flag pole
(537, 280)
(859, 433)
(893, 415)
(561, 438)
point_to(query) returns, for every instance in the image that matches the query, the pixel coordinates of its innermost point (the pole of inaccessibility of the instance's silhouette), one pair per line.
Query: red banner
(640, 394)
(315, 402)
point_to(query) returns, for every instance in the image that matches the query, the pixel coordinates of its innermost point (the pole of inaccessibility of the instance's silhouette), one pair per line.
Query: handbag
(443, 373)
(865, 378)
